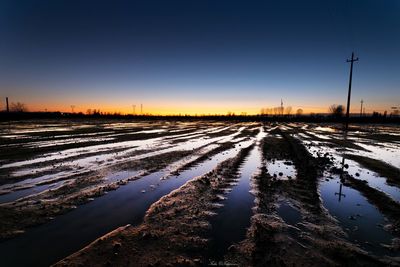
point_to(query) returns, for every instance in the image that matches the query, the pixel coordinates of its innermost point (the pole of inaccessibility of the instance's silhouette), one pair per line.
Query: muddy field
(108, 193)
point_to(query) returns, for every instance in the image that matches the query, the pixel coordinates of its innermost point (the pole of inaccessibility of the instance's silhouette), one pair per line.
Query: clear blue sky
(199, 56)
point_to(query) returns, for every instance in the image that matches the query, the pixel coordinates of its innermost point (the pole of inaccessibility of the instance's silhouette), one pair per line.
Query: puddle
(303, 135)
(15, 195)
(385, 154)
(106, 153)
(127, 205)
(374, 180)
(64, 154)
(233, 219)
(325, 129)
(288, 213)
(32, 186)
(94, 162)
(281, 169)
(285, 128)
(261, 134)
(361, 221)
(320, 136)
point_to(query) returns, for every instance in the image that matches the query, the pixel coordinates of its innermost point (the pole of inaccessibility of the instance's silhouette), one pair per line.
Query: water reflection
(233, 219)
(362, 221)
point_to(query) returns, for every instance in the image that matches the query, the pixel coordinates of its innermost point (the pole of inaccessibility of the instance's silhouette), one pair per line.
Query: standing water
(50, 242)
(233, 219)
(362, 221)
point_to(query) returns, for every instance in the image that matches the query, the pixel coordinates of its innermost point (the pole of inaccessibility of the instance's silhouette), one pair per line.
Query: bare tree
(299, 112)
(18, 107)
(288, 110)
(336, 110)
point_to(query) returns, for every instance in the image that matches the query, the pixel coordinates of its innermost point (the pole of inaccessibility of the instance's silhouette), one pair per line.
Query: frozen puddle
(233, 219)
(41, 246)
(281, 169)
(362, 221)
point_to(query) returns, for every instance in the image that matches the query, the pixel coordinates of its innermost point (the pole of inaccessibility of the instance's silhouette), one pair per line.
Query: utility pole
(349, 94)
(141, 109)
(8, 108)
(72, 108)
(133, 108)
(361, 110)
(281, 107)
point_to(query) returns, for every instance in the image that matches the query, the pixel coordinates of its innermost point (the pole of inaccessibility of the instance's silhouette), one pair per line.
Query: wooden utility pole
(349, 94)
(8, 108)
(141, 109)
(133, 108)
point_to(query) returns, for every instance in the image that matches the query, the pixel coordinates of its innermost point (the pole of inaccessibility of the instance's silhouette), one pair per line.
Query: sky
(199, 57)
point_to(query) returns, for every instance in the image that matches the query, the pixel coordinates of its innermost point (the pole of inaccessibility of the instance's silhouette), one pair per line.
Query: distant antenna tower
(361, 110)
(133, 109)
(281, 107)
(8, 109)
(141, 109)
(72, 108)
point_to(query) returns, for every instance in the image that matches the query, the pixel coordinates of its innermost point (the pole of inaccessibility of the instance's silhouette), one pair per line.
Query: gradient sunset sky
(201, 57)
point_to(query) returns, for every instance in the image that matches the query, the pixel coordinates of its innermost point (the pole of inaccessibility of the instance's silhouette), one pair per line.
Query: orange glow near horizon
(195, 109)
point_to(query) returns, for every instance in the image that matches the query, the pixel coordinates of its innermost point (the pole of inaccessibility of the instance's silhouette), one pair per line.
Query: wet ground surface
(233, 219)
(259, 187)
(362, 221)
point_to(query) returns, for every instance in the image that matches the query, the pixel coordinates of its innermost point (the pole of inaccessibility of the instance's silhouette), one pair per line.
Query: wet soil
(287, 221)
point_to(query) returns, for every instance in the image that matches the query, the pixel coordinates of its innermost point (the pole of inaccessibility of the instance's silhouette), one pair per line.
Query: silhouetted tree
(288, 110)
(18, 107)
(299, 112)
(336, 110)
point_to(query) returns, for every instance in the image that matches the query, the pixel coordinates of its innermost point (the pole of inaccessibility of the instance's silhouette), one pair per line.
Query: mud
(289, 224)
(162, 239)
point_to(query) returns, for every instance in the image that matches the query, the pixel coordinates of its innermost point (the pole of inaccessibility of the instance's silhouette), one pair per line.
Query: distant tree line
(335, 113)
